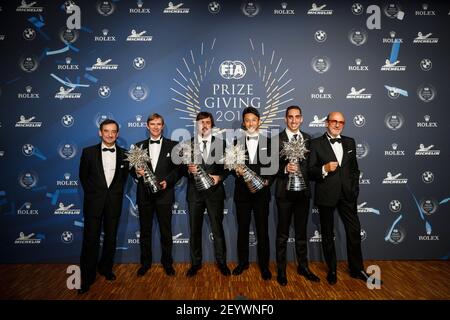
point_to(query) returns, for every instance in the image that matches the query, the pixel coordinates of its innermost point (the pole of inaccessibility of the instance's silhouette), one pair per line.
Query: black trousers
(260, 208)
(349, 216)
(91, 244)
(215, 214)
(164, 215)
(295, 205)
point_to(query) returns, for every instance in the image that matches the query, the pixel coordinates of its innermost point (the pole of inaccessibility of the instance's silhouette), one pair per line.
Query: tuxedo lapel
(146, 146)
(247, 155)
(283, 138)
(212, 150)
(119, 156)
(345, 150)
(162, 153)
(101, 170)
(327, 148)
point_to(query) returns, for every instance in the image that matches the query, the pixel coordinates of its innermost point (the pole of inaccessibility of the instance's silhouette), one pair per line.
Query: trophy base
(203, 181)
(296, 183)
(253, 181)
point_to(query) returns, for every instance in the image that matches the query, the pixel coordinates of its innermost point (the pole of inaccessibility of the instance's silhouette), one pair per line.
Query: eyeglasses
(335, 122)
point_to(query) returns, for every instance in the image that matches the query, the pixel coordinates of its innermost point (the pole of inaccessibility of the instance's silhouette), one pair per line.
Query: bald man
(333, 165)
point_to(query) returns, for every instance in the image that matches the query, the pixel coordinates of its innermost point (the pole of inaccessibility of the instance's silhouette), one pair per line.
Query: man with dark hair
(166, 172)
(293, 203)
(257, 148)
(212, 199)
(103, 174)
(334, 167)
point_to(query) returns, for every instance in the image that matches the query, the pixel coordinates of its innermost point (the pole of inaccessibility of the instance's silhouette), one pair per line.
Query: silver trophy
(138, 158)
(189, 155)
(235, 159)
(295, 151)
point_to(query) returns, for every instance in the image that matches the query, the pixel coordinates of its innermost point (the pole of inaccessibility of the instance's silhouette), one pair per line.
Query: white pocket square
(122, 166)
(349, 151)
(263, 148)
(168, 154)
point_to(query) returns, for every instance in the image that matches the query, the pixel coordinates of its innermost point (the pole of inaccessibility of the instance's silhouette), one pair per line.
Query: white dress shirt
(338, 152)
(337, 149)
(109, 163)
(290, 135)
(154, 150)
(252, 147)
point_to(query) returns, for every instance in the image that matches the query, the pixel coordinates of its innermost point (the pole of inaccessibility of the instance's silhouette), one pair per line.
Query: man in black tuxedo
(258, 151)
(293, 203)
(212, 199)
(333, 165)
(166, 172)
(103, 174)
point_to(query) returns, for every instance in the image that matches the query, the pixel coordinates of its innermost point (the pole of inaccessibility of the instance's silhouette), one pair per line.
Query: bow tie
(109, 149)
(252, 138)
(155, 141)
(333, 140)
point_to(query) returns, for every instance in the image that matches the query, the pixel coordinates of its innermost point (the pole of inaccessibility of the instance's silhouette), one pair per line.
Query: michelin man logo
(232, 69)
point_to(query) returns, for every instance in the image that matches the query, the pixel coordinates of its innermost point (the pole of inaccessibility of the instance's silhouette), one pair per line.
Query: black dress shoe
(142, 271)
(193, 270)
(224, 269)
(332, 277)
(169, 270)
(281, 277)
(110, 276)
(240, 268)
(266, 274)
(362, 275)
(83, 289)
(304, 271)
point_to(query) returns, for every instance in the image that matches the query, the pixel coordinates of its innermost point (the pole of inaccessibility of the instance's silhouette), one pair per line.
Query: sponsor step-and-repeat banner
(68, 65)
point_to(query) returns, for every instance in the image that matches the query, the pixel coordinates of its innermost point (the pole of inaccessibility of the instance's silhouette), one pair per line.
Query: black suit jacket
(93, 181)
(213, 166)
(281, 179)
(165, 170)
(241, 192)
(344, 179)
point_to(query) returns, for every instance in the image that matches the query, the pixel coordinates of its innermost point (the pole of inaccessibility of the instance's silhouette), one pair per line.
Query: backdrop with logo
(66, 66)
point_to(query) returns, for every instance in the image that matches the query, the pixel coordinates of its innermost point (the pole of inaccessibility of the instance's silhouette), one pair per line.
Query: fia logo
(232, 69)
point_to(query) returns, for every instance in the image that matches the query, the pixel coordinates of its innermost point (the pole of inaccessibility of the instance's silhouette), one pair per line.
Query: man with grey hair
(334, 167)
